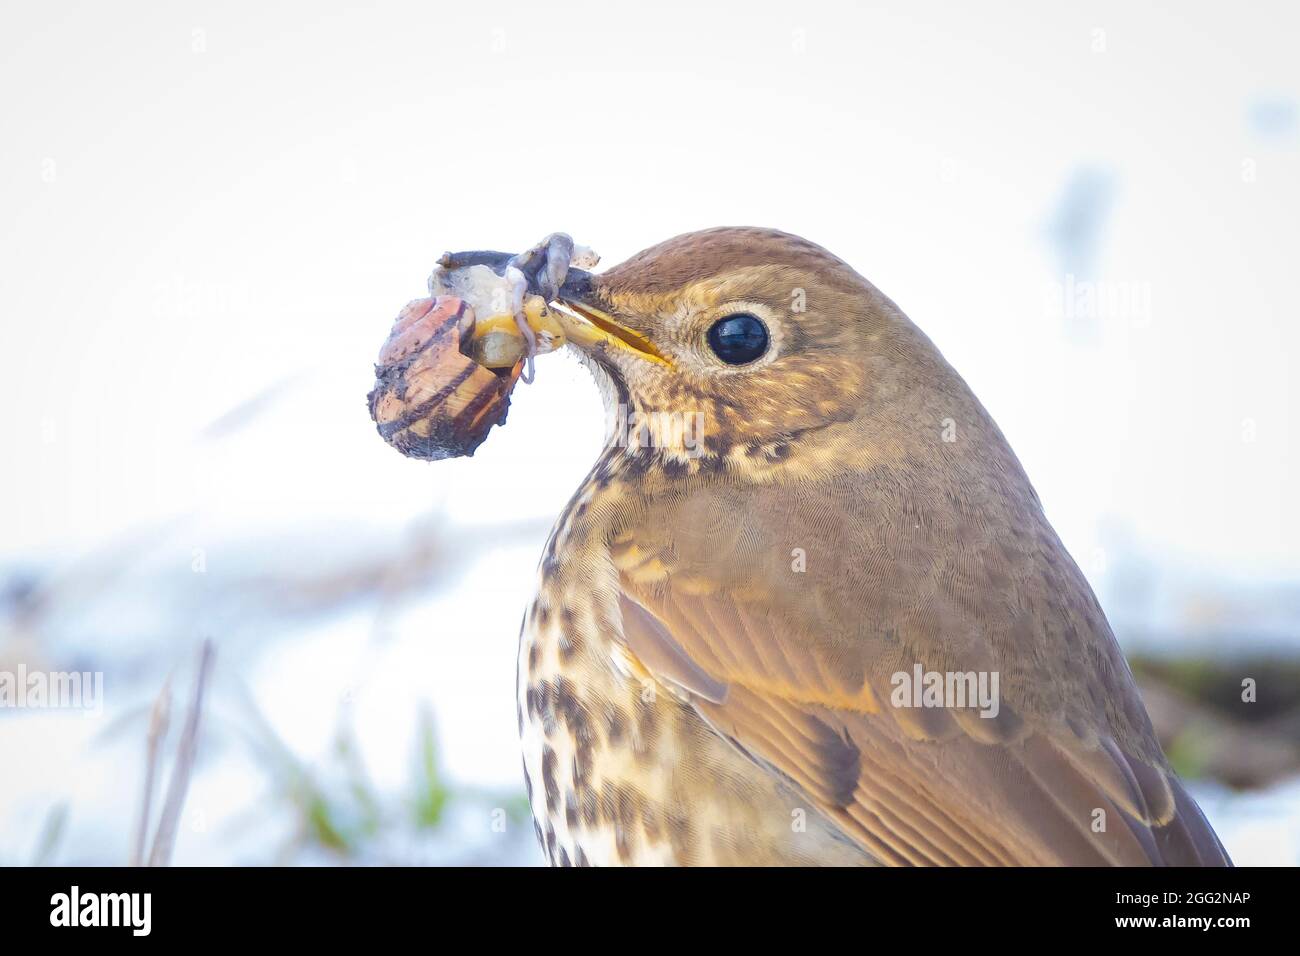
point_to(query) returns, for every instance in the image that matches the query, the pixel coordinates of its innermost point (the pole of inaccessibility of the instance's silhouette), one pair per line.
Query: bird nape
(806, 607)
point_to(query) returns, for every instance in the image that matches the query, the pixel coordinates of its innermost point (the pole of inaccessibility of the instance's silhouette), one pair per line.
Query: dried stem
(159, 718)
(165, 837)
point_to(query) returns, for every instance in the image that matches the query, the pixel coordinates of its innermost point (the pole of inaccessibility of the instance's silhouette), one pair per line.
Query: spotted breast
(620, 770)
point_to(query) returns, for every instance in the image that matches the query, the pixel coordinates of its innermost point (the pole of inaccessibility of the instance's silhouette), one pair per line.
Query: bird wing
(795, 667)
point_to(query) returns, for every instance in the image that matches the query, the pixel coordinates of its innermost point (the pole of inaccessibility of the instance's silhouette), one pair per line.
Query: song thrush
(807, 512)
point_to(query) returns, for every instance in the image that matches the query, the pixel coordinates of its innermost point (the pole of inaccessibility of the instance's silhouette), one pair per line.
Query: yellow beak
(587, 327)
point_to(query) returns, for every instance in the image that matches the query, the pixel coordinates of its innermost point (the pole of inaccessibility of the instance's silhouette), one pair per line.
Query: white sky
(222, 220)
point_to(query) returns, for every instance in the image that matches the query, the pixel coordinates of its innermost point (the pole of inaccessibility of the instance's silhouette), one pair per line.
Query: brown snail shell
(431, 401)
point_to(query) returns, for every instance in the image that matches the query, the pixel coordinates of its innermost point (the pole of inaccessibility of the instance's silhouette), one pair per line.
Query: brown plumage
(707, 672)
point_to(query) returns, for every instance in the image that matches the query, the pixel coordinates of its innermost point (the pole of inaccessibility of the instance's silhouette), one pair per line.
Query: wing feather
(1072, 785)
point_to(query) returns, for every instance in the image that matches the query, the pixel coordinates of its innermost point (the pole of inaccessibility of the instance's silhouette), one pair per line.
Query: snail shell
(431, 401)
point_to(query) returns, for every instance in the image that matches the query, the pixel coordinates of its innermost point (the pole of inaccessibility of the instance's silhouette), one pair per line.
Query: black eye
(738, 339)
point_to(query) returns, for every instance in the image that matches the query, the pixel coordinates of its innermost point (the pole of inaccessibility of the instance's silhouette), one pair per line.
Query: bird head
(770, 342)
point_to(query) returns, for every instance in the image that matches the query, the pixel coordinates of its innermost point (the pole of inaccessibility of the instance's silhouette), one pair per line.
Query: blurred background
(213, 212)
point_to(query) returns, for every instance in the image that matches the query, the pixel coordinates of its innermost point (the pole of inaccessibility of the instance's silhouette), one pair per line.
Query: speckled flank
(619, 770)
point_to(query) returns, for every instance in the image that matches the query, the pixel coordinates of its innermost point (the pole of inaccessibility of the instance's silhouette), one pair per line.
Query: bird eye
(738, 339)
